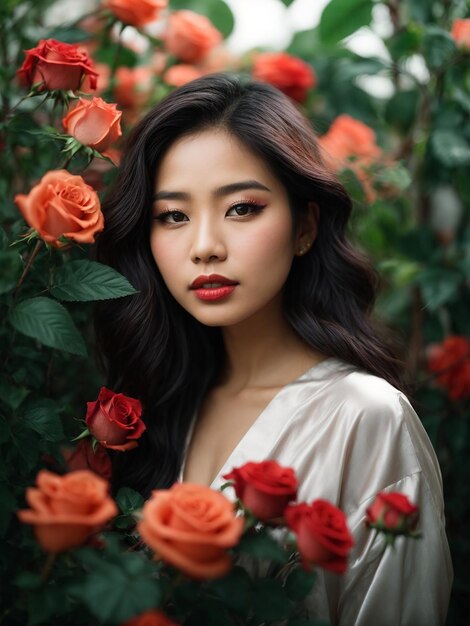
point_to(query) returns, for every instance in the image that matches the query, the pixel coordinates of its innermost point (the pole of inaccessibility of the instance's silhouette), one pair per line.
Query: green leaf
(43, 418)
(87, 281)
(402, 108)
(269, 601)
(341, 18)
(287, 3)
(299, 583)
(450, 148)
(234, 589)
(129, 500)
(48, 322)
(7, 509)
(438, 286)
(262, 546)
(11, 264)
(438, 47)
(395, 175)
(12, 395)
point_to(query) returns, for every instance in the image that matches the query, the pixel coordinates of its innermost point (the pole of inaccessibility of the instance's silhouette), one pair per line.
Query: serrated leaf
(86, 281)
(48, 322)
(43, 418)
(129, 500)
(341, 18)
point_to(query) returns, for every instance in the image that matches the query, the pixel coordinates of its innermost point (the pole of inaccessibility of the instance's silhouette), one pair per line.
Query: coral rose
(133, 86)
(178, 75)
(323, 537)
(114, 420)
(57, 65)
(290, 74)
(190, 36)
(265, 488)
(84, 457)
(151, 618)
(62, 205)
(392, 512)
(461, 33)
(191, 527)
(94, 123)
(136, 12)
(450, 360)
(348, 137)
(66, 510)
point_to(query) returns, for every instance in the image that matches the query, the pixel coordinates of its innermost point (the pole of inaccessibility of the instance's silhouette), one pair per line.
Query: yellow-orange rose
(461, 33)
(62, 204)
(94, 123)
(66, 510)
(190, 36)
(178, 75)
(136, 12)
(191, 527)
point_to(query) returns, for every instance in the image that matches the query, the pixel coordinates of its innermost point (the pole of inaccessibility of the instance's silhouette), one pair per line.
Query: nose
(208, 243)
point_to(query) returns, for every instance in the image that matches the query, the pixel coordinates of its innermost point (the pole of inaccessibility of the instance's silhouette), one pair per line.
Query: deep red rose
(288, 73)
(114, 419)
(57, 65)
(265, 488)
(392, 512)
(83, 457)
(153, 617)
(323, 537)
(451, 361)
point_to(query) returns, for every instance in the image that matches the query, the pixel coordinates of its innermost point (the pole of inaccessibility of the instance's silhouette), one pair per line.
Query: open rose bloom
(94, 123)
(66, 510)
(190, 36)
(136, 12)
(288, 73)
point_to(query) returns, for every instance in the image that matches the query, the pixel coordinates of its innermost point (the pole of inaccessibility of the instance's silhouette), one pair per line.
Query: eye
(246, 208)
(170, 217)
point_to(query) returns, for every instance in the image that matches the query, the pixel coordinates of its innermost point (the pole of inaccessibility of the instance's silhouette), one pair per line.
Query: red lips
(212, 278)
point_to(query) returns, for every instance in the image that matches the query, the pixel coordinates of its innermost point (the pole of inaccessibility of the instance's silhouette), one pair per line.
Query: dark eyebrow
(220, 191)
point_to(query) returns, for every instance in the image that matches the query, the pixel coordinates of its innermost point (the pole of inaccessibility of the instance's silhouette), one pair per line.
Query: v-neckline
(254, 424)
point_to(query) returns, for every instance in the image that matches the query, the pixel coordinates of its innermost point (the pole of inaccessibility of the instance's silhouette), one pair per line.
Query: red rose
(83, 457)
(114, 419)
(461, 33)
(323, 537)
(290, 74)
(392, 512)
(151, 618)
(265, 488)
(57, 65)
(451, 361)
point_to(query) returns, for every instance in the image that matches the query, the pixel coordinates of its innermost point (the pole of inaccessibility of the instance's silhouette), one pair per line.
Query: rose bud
(323, 537)
(66, 510)
(94, 123)
(191, 527)
(114, 420)
(392, 513)
(264, 488)
(57, 65)
(151, 618)
(288, 73)
(136, 12)
(62, 205)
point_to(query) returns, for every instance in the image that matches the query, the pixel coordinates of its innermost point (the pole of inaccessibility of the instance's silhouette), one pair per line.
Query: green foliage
(341, 18)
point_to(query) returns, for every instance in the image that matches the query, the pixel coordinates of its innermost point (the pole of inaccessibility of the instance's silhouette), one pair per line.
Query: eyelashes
(249, 206)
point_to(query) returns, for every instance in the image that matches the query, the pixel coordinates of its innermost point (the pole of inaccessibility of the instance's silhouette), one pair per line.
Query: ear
(308, 229)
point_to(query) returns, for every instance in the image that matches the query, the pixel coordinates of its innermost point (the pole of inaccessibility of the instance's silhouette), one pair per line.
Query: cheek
(269, 244)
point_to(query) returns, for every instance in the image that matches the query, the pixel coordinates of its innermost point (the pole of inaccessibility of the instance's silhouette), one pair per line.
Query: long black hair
(148, 345)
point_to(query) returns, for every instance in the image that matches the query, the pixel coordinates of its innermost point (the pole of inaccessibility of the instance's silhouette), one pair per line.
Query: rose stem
(29, 262)
(48, 566)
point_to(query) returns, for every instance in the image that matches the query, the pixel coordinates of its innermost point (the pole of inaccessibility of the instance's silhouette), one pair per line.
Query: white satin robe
(348, 435)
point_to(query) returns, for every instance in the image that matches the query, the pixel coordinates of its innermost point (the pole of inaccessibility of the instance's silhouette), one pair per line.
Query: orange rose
(136, 12)
(191, 527)
(461, 33)
(94, 123)
(133, 86)
(179, 75)
(57, 65)
(190, 36)
(450, 360)
(290, 74)
(62, 204)
(151, 618)
(66, 510)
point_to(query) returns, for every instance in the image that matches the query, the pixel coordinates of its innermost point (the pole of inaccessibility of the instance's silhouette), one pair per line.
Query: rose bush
(288, 73)
(66, 510)
(190, 36)
(114, 420)
(323, 537)
(191, 527)
(265, 488)
(136, 12)
(62, 205)
(57, 65)
(393, 512)
(94, 123)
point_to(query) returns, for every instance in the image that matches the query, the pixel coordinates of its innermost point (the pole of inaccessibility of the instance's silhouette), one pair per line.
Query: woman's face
(219, 210)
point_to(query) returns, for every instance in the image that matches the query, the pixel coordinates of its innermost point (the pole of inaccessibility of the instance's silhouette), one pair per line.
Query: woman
(251, 338)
